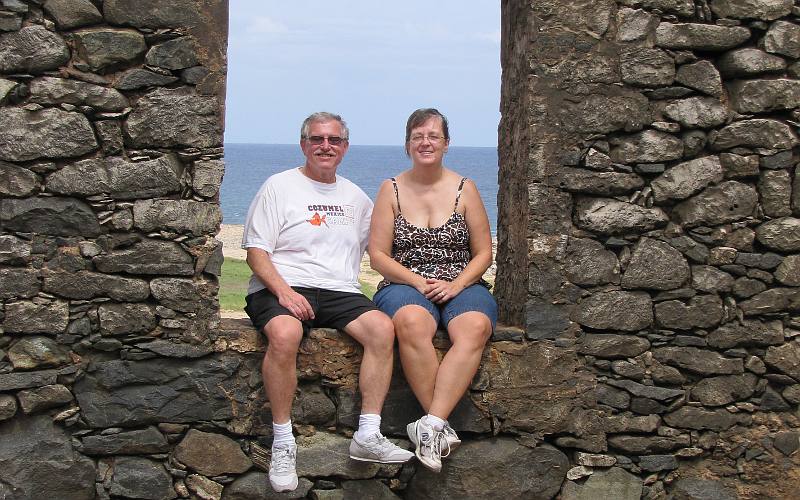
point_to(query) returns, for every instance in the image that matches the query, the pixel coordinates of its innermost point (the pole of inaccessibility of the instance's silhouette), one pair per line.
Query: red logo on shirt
(316, 220)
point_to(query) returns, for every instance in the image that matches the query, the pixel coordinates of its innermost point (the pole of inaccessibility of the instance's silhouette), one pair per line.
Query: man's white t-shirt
(315, 232)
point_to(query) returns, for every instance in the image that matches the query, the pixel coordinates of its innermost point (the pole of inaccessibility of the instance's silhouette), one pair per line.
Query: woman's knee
(412, 323)
(471, 329)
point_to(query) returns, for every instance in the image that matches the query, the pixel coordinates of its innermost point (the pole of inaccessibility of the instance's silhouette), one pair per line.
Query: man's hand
(440, 291)
(296, 304)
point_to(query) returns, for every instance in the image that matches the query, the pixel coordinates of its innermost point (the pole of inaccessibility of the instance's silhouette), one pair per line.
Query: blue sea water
(247, 166)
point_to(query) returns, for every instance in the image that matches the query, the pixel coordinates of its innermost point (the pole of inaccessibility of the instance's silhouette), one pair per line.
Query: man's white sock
(435, 422)
(282, 434)
(368, 424)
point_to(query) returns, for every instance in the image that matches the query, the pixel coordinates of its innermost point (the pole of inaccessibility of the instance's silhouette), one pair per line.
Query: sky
(371, 62)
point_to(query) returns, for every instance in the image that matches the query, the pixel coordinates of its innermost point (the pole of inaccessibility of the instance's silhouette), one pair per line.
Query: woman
(430, 240)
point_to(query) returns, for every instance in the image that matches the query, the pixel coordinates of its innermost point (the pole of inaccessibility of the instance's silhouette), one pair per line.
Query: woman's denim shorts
(391, 298)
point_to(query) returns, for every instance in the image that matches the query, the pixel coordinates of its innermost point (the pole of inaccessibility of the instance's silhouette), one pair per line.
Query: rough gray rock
(180, 216)
(38, 461)
(761, 96)
(251, 486)
(147, 257)
(748, 333)
(123, 318)
(785, 358)
(697, 112)
(18, 283)
(170, 118)
(701, 489)
(781, 234)
(702, 76)
(71, 14)
(644, 445)
(614, 483)
(50, 215)
(650, 146)
(720, 391)
(775, 189)
(783, 38)
(106, 48)
(14, 250)
(8, 406)
(770, 301)
(135, 477)
(623, 110)
(655, 265)
(705, 37)
(324, 454)
(726, 202)
(128, 394)
(47, 133)
(587, 262)
(683, 8)
(709, 279)
(647, 67)
(208, 177)
(24, 380)
(615, 310)
(702, 311)
(748, 62)
(656, 463)
(35, 352)
(86, 285)
(737, 166)
(53, 91)
(635, 24)
(701, 361)
(766, 10)
(44, 398)
(152, 13)
(788, 272)
(135, 442)
(613, 346)
(33, 49)
(211, 454)
(17, 182)
(756, 133)
(687, 178)
(690, 417)
(183, 295)
(647, 391)
(138, 78)
(48, 317)
(608, 216)
(598, 183)
(118, 177)
(533, 473)
(110, 134)
(178, 53)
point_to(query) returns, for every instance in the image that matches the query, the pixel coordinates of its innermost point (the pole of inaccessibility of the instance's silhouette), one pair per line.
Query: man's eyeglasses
(333, 140)
(433, 139)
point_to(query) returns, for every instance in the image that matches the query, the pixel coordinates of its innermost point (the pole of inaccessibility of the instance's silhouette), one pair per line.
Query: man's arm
(260, 263)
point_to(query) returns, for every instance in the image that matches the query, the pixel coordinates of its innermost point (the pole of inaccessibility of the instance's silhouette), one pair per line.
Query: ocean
(248, 165)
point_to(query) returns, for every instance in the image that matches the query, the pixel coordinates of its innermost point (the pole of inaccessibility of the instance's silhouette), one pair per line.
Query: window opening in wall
(372, 63)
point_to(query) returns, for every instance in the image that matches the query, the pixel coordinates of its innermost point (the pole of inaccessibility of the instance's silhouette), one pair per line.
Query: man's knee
(284, 334)
(373, 329)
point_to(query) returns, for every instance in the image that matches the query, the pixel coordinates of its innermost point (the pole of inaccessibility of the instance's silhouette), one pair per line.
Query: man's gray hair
(323, 116)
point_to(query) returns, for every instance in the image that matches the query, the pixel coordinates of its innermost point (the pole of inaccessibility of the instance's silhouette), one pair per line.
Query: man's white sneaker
(376, 448)
(451, 437)
(282, 468)
(429, 444)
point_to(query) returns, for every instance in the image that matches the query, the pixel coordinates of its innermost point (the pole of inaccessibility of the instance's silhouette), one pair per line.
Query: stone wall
(648, 154)
(658, 140)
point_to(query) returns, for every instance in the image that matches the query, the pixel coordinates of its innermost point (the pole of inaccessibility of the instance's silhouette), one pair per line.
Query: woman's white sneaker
(428, 442)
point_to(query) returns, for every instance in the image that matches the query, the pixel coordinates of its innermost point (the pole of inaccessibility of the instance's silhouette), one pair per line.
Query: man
(305, 234)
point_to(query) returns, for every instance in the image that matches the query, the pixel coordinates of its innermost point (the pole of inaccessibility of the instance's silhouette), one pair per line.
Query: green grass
(233, 285)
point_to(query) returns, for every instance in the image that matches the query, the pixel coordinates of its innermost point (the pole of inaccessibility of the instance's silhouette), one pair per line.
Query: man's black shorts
(332, 309)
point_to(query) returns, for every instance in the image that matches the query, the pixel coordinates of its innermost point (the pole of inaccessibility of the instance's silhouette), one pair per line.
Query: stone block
(32, 49)
(46, 133)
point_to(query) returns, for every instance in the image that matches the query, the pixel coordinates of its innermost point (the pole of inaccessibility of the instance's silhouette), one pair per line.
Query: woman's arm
(381, 235)
(480, 236)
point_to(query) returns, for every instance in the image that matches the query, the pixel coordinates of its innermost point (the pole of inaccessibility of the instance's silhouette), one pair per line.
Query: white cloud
(262, 25)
